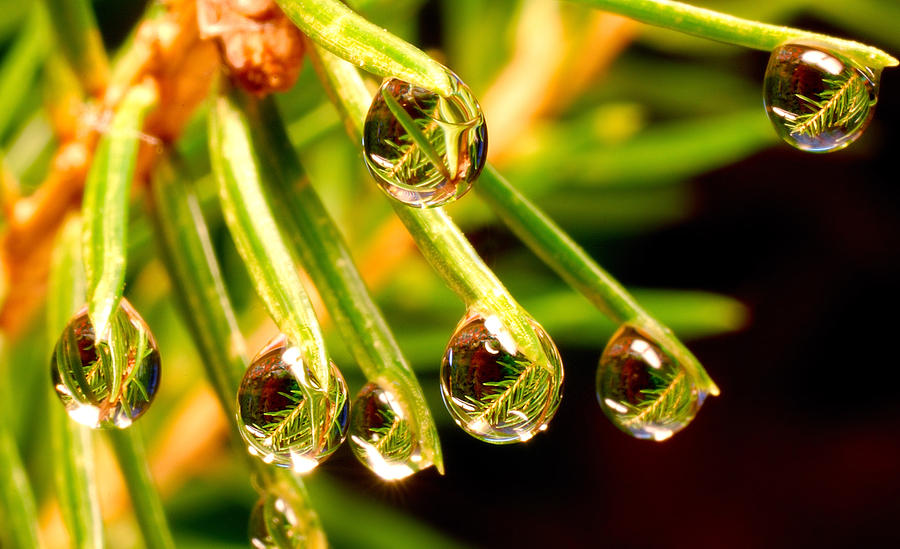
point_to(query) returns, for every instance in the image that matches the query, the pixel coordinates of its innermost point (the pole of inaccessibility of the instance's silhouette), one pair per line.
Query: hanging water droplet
(381, 435)
(818, 100)
(423, 149)
(284, 414)
(278, 523)
(493, 391)
(108, 381)
(642, 389)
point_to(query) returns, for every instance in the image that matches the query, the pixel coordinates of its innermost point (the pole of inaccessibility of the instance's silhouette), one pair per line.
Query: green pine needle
(395, 439)
(843, 103)
(669, 403)
(523, 389)
(294, 424)
(418, 151)
(291, 424)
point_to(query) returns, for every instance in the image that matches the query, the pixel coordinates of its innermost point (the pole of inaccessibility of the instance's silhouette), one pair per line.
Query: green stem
(330, 265)
(335, 27)
(412, 129)
(20, 512)
(239, 169)
(438, 238)
(73, 450)
(733, 30)
(105, 207)
(80, 41)
(129, 449)
(577, 268)
(20, 65)
(188, 253)
(195, 273)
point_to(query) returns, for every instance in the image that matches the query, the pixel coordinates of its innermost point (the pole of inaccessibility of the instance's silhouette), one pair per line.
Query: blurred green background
(778, 267)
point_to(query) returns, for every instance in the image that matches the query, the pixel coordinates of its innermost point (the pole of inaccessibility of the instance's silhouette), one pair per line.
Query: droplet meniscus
(492, 390)
(423, 149)
(107, 381)
(285, 414)
(382, 436)
(818, 100)
(642, 389)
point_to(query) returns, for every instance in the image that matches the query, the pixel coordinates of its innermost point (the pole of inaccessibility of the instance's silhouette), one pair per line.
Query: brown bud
(262, 48)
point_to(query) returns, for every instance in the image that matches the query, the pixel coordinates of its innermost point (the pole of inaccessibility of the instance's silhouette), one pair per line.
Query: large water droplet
(278, 523)
(642, 389)
(106, 382)
(493, 391)
(382, 436)
(818, 100)
(285, 415)
(423, 149)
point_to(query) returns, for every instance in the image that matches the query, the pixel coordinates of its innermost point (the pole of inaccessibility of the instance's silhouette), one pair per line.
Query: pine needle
(844, 102)
(395, 440)
(669, 403)
(523, 389)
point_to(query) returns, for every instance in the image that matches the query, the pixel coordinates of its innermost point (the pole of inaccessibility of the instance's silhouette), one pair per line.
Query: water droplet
(284, 415)
(423, 149)
(642, 389)
(276, 522)
(818, 100)
(382, 437)
(107, 383)
(491, 389)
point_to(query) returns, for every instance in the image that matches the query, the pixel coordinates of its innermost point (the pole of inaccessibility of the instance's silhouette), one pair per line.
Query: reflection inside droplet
(423, 149)
(824, 61)
(111, 382)
(285, 415)
(382, 437)
(491, 389)
(642, 389)
(817, 99)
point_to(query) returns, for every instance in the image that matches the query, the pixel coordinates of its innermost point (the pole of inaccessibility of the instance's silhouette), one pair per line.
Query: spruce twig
(843, 102)
(522, 389)
(730, 29)
(666, 404)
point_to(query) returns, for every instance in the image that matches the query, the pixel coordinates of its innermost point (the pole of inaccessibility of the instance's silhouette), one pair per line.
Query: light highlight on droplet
(279, 399)
(642, 389)
(106, 383)
(492, 390)
(818, 100)
(382, 437)
(423, 149)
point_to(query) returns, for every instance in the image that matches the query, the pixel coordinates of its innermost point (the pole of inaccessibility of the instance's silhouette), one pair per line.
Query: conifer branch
(841, 103)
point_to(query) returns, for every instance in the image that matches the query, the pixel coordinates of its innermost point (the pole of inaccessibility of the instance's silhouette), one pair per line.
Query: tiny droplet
(642, 389)
(381, 435)
(111, 382)
(819, 100)
(284, 414)
(491, 389)
(276, 522)
(423, 149)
